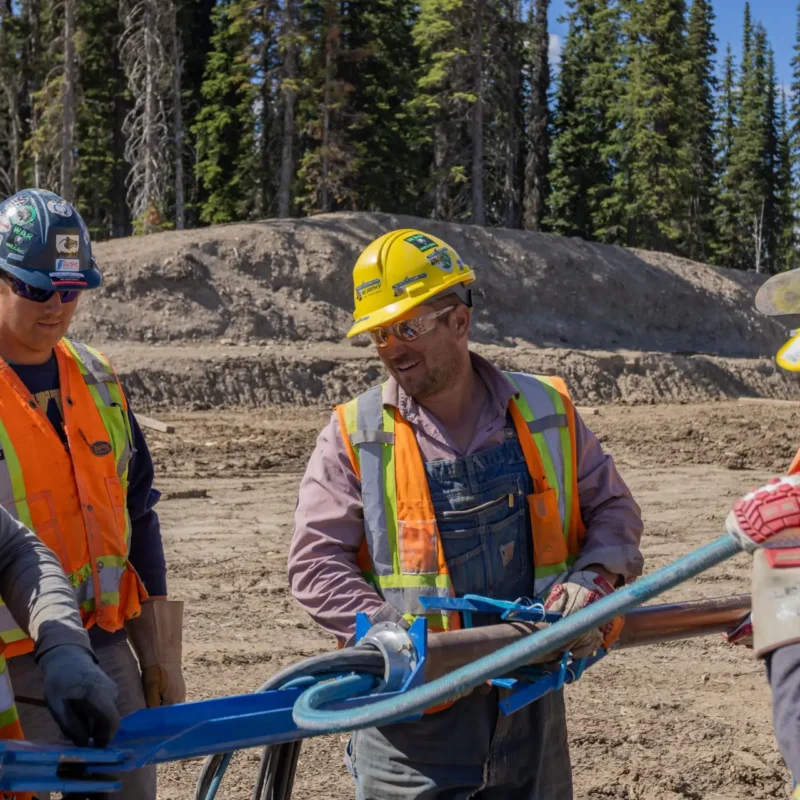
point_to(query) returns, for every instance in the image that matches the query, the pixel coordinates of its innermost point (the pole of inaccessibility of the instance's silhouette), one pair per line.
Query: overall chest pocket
(483, 555)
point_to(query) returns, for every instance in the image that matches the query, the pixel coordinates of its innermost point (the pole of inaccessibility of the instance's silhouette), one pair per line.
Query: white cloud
(554, 50)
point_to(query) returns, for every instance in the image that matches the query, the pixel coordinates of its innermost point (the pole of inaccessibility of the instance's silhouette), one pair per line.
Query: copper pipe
(643, 626)
(673, 621)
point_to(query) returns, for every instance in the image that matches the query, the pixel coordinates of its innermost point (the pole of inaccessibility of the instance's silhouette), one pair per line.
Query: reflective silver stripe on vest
(369, 417)
(99, 375)
(371, 437)
(110, 581)
(7, 621)
(406, 601)
(546, 423)
(542, 409)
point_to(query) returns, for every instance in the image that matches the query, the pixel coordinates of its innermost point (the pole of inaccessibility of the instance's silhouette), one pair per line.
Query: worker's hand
(771, 512)
(741, 633)
(156, 638)
(578, 591)
(80, 696)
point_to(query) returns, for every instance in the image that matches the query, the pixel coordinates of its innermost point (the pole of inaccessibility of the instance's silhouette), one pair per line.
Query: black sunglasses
(28, 292)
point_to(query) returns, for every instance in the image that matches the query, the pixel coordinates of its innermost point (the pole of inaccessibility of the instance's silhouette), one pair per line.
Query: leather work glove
(80, 696)
(156, 638)
(741, 633)
(578, 591)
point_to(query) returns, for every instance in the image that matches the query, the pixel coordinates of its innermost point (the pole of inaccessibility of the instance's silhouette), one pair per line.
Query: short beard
(438, 379)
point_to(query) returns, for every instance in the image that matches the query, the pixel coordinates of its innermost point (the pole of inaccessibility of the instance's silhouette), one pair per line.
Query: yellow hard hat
(401, 270)
(781, 295)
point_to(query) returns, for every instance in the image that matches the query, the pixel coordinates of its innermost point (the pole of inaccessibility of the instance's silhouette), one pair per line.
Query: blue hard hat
(45, 242)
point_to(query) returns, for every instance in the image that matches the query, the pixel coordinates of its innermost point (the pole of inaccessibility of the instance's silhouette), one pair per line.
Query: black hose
(279, 762)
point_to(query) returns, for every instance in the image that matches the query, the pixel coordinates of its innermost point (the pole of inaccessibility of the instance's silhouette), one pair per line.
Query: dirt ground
(678, 720)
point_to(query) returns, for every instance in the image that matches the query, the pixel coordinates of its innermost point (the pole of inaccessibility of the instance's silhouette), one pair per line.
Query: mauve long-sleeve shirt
(329, 522)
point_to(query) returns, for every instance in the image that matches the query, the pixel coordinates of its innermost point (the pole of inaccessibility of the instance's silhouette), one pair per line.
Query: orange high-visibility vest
(74, 497)
(402, 554)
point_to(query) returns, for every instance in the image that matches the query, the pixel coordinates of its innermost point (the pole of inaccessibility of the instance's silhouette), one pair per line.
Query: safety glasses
(28, 292)
(409, 329)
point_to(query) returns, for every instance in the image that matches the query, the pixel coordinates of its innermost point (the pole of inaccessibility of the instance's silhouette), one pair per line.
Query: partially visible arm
(147, 548)
(36, 590)
(329, 527)
(613, 519)
(783, 671)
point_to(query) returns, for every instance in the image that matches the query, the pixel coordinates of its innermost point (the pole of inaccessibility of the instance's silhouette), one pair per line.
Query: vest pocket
(418, 543)
(116, 498)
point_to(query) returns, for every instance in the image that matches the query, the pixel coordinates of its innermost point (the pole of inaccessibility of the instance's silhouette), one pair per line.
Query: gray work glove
(80, 696)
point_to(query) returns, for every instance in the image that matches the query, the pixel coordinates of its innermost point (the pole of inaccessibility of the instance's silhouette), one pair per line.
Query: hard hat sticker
(441, 259)
(400, 286)
(789, 355)
(67, 245)
(22, 215)
(59, 207)
(5, 225)
(421, 241)
(68, 265)
(368, 287)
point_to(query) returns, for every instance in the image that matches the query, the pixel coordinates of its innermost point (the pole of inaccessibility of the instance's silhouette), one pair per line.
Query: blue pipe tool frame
(527, 684)
(175, 733)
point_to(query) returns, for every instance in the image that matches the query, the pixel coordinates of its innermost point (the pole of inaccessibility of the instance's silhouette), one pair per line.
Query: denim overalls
(470, 750)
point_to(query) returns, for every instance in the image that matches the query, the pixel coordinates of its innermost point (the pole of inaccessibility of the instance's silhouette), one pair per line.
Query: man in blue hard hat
(75, 468)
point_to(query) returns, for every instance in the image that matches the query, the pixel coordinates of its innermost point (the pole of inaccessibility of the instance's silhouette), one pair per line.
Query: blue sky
(779, 17)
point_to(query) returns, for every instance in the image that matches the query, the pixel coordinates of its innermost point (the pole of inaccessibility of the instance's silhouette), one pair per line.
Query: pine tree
(585, 120)
(650, 185)
(537, 165)
(701, 87)
(749, 172)
(11, 131)
(785, 256)
(505, 153)
(224, 127)
(444, 103)
(101, 167)
(727, 231)
(794, 110)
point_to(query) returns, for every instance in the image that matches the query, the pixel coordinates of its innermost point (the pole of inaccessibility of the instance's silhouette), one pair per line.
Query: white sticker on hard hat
(69, 277)
(59, 207)
(67, 265)
(441, 259)
(5, 225)
(67, 245)
(789, 355)
(22, 215)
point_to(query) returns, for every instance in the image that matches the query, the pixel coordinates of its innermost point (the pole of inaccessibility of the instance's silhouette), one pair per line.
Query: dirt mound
(289, 280)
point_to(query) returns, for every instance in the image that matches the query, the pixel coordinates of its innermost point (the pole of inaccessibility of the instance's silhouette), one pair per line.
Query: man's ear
(462, 315)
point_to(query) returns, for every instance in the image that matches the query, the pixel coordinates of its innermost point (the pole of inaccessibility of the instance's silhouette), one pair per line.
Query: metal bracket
(529, 684)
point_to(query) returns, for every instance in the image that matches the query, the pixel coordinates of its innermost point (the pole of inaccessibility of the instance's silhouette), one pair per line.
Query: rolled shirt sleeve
(329, 527)
(612, 518)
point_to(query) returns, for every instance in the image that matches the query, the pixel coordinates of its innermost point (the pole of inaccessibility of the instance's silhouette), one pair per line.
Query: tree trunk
(326, 110)
(35, 48)
(478, 206)
(513, 144)
(289, 102)
(177, 121)
(150, 133)
(68, 100)
(538, 161)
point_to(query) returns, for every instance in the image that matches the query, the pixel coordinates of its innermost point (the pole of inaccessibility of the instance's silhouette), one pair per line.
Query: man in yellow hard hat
(767, 523)
(451, 478)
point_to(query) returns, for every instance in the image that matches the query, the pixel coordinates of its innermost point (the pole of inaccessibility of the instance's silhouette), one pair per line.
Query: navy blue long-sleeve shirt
(146, 546)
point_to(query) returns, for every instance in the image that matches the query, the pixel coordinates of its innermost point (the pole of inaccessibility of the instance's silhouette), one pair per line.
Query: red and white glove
(768, 516)
(741, 633)
(578, 591)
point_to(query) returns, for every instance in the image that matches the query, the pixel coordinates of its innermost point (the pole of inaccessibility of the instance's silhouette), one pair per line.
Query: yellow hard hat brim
(388, 314)
(789, 355)
(780, 294)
